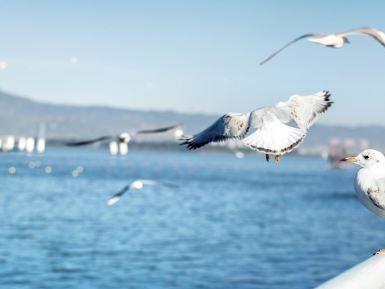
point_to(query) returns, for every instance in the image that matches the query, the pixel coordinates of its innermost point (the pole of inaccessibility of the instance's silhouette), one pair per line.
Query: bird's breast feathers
(328, 40)
(364, 180)
(370, 191)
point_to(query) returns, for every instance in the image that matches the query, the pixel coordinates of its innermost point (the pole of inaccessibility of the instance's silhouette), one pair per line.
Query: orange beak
(352, 160)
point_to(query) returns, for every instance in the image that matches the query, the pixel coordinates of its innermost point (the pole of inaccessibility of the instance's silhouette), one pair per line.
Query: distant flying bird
(136, 185)
(274, 134)
(370, 181)
(334, 40)
(123, 137)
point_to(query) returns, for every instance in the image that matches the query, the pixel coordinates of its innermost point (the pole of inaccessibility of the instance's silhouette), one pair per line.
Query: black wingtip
(327, 94)
(188, 142)
(75, 144)
(329, 103)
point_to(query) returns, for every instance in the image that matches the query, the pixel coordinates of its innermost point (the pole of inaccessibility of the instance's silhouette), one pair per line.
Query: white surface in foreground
(369, 274)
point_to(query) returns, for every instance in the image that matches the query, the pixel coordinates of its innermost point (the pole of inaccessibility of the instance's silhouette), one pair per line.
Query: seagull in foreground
(370, 181)
(333, 40)
(123, 137)
(136, 185)
(278, 129)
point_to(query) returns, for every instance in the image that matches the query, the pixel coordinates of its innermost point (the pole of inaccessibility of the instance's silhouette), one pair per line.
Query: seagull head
(125, 137)
(138, 184)
(367, 159)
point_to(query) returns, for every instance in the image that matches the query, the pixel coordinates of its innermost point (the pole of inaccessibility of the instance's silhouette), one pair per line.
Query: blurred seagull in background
(123, 137)
(334, 40)
(274, 134)
(370, 181)
(135, 185)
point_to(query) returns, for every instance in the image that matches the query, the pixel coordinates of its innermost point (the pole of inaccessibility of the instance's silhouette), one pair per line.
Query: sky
(192, 56)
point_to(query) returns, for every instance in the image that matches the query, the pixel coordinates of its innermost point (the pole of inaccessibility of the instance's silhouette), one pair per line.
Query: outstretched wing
(229, 126)
(274, 53)
(147, 182)
(116, 197)
(90, 141)
(303, 109)
(159, 130)
(372, 32)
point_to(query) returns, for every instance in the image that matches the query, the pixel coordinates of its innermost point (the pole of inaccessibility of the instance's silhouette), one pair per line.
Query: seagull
(370, 181)
(278, 129)
(124, 137)
(333, 40)
(135, 185)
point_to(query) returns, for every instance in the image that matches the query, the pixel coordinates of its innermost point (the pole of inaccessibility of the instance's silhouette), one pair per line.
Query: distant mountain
(23, 116)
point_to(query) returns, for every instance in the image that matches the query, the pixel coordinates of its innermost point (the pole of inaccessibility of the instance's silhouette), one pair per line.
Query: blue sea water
(230, 223)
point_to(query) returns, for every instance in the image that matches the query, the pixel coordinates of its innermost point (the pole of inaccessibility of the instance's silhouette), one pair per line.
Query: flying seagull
(334, 40)
(123, 137)
(370, 181)
(135, 185)
(278, 129)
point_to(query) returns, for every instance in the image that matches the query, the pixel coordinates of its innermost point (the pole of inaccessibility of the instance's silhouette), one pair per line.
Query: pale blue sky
(192, 56)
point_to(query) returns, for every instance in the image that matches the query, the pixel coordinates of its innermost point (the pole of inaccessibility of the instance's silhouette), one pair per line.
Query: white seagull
(370, 181)
(136, 185)
(278, 129)
(333, 40)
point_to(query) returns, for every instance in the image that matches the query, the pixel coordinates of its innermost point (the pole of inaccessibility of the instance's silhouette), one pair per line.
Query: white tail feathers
(275, 138)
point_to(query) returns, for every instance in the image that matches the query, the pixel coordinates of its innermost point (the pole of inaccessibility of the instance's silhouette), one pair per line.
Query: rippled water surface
(230, 223)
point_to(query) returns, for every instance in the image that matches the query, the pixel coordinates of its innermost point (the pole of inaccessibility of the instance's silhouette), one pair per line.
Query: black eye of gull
(366, 157)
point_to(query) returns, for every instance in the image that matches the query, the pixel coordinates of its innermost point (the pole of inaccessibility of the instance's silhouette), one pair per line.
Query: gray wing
(90, 141)
(116, 197)
(160, 130)
(376, 198)
(274, 53)
(372, 32)
(376, 194)
(229, 126)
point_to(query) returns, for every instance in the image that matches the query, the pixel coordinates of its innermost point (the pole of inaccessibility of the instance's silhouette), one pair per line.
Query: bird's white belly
(361, 190)
(329, 40)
